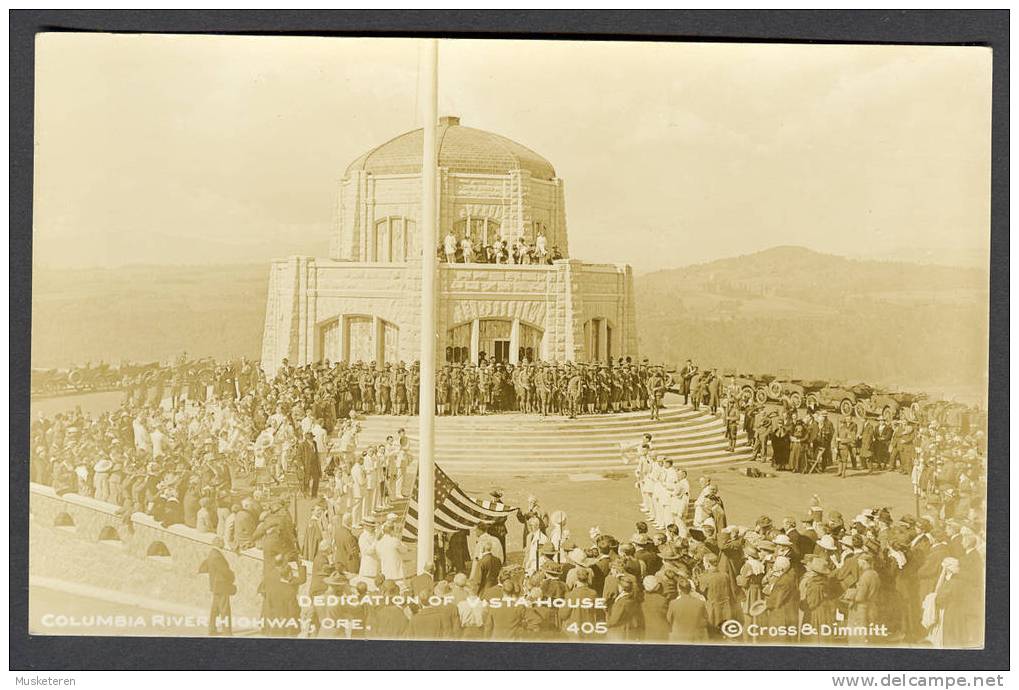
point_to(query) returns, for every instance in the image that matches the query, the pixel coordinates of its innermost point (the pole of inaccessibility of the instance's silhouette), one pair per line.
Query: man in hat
(311, 466)
(863, 599)
(647, 553)
(687, 615)
(819, 598)
(717, 591)
(782, 594)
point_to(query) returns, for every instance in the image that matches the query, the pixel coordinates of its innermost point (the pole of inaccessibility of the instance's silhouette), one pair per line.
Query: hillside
(818, 315)
(147, 313)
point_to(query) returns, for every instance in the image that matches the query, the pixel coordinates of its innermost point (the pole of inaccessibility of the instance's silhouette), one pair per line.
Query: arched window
(358, 337)
(392, 240)
(481, 230)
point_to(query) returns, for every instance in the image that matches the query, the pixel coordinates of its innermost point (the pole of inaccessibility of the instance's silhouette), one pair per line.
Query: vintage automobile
(745, 384)
(888, 405)
(955, 415)
(840, 397)
(796, 391)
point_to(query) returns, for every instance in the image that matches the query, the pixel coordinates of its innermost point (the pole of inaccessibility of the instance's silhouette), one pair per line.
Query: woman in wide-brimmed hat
(819, 595)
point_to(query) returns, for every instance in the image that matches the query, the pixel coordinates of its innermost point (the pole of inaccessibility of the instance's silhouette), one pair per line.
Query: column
(514, 353)
(475, 340)
(378, 338)
(429, 239)
(603, 335)
(343, 326)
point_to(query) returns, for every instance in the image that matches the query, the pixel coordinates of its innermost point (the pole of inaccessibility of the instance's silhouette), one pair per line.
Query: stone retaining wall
(187, 549)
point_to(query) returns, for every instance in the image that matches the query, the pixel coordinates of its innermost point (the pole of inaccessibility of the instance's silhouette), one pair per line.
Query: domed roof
(461, 149)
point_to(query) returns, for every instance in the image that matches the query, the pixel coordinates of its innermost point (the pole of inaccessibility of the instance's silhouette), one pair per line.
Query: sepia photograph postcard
(511, 341)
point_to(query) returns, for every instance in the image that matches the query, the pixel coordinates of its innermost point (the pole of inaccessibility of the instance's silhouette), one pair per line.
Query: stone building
(362, 303)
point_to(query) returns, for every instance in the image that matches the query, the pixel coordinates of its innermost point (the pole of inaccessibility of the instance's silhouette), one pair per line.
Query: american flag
(454, 510)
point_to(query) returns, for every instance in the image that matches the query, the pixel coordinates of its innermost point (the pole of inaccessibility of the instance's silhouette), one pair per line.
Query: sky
(209, 150)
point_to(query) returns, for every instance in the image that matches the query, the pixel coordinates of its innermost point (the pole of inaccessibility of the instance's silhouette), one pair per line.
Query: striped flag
(454, 510)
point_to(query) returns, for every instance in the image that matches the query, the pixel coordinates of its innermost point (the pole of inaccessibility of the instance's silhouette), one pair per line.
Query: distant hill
(817, 315)
(147, 313)
(820, 315)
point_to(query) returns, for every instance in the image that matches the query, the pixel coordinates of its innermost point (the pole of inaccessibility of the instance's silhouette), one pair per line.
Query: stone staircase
(516, 443)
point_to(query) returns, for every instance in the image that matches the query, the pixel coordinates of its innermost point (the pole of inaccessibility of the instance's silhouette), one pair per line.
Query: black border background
(986, 28)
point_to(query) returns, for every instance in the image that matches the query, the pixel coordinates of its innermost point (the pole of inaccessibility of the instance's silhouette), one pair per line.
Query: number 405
(587, 628)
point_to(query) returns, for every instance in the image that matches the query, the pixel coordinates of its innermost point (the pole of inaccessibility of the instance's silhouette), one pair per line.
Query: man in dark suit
(346, 552)
(714, 390)
(826, 434)
(882, 439)
(687, 616)
(431, 622)
(486, 571)
(648, 553)
(867, 443)
(307, 455)
(685, 375)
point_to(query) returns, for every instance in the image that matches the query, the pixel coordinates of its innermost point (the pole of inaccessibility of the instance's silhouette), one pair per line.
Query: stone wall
(307, 296)
(516, 201)
(128, 568)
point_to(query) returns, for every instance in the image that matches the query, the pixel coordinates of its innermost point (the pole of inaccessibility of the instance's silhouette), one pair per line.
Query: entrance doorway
(502, 348)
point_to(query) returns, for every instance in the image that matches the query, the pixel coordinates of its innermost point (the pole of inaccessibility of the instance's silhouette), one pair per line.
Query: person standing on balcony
(449, 247)
(467, 250)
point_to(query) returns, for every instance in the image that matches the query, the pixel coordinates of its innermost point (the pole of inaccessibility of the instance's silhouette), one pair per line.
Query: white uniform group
(664, 489)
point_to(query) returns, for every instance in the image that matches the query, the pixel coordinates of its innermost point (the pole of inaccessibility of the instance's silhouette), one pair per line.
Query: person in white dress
(366, 542)
(449, 247)
(467, 249)
(541, 247)
(702, 507)
(141, 436)
(390, 552)
(370, 480)
(532, 549)
(357, 492)
(680, 500)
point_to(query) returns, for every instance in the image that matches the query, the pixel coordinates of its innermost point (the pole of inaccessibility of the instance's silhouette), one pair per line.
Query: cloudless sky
(197, 150)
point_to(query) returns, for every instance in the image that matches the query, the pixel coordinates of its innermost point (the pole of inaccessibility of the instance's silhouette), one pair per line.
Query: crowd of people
(226, 460)
(466, 250)
(334, 391)
(869, 579)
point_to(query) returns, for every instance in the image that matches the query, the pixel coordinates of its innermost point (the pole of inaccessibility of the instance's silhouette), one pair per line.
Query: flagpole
(429, 240)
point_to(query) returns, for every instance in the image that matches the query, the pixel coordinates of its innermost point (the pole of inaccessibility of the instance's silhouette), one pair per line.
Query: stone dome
(461, 150)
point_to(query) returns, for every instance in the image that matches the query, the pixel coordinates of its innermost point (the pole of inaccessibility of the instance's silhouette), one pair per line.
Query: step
(507, 437)
(581, 457)
(595, 466)
(584, 422)
(634, 431)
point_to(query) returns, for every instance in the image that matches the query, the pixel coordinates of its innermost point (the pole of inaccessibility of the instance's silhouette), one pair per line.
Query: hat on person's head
(552, 569)
(819, 566)
(578, 557)
(337, 579)
(847, 540)
(548, 549)
(103, 465)
(668, 552)
(650, 583)
(782, 540)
